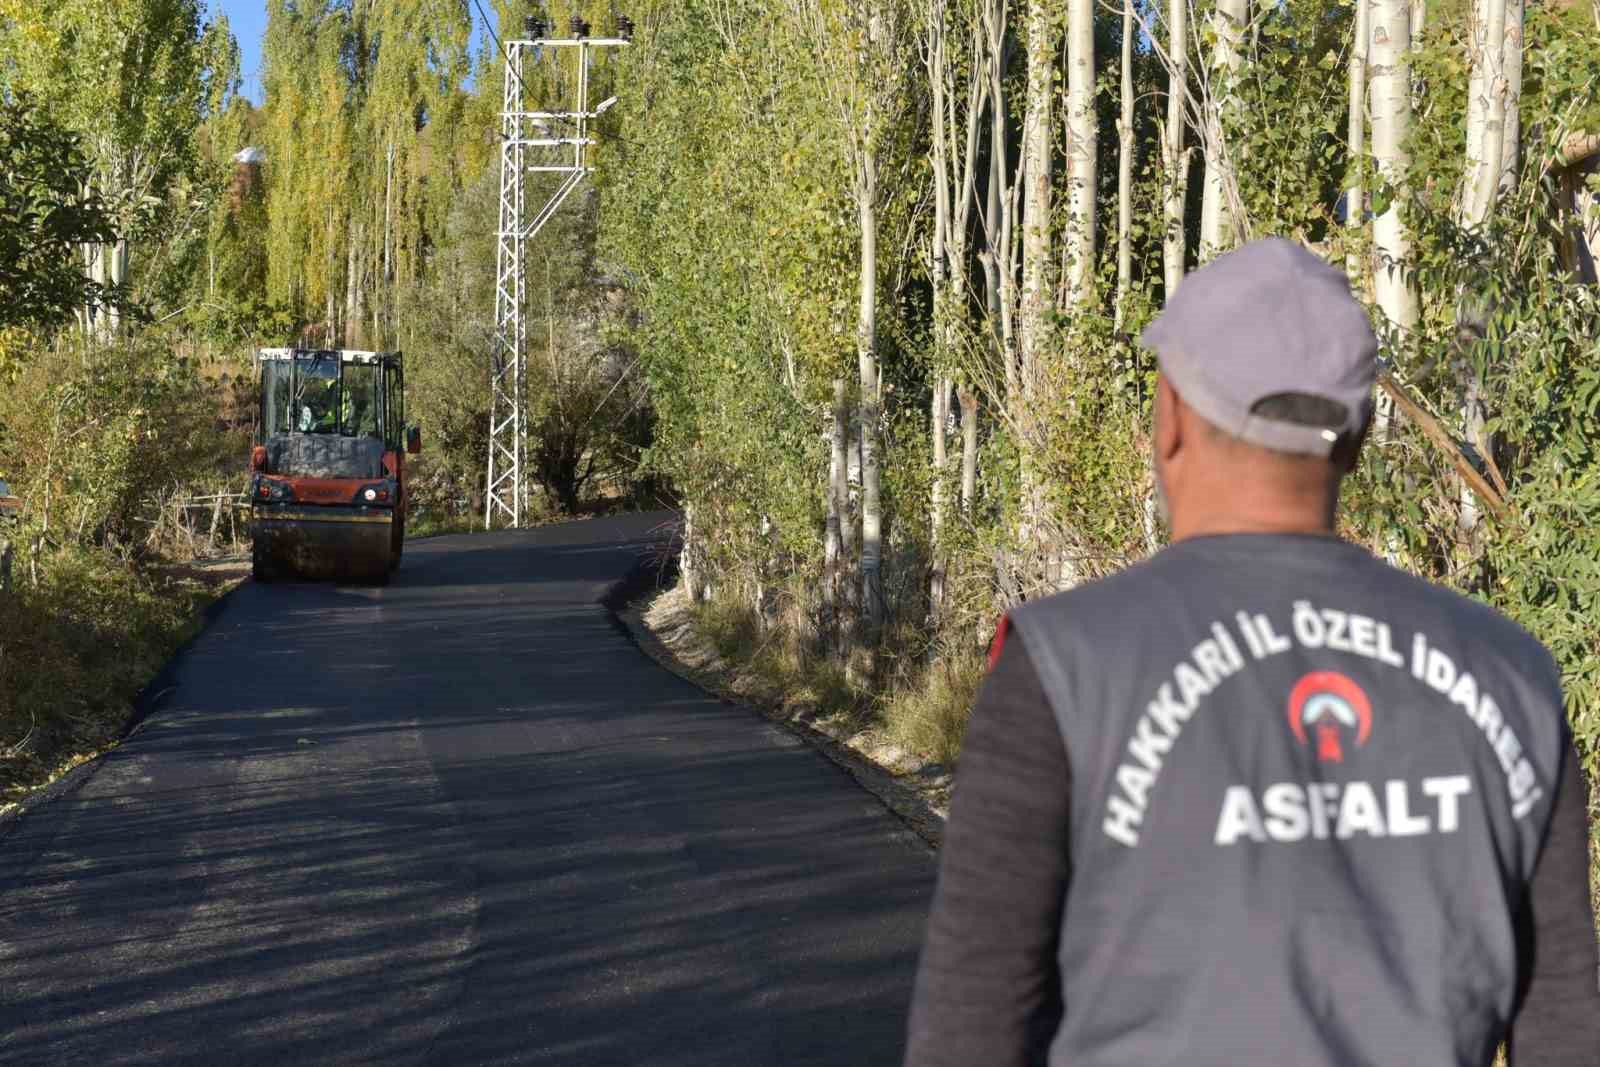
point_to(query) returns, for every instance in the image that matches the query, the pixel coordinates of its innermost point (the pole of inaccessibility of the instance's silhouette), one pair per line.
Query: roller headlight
(376, 493)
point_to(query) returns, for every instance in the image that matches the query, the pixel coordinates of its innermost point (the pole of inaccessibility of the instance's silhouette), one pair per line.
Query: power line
(505, 54)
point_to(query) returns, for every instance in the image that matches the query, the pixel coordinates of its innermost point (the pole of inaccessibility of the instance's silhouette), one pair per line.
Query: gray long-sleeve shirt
(989, 990)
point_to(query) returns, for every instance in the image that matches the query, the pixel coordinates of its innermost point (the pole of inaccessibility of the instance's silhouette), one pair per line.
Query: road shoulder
(659, 623)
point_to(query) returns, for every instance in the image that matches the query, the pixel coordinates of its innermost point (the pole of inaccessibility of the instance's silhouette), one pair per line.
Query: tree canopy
(46, 215)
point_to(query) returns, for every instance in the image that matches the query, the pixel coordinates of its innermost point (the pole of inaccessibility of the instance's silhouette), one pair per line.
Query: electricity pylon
(531, 142)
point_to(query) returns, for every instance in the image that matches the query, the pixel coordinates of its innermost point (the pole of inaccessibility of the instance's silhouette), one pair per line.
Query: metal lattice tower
(531, 142)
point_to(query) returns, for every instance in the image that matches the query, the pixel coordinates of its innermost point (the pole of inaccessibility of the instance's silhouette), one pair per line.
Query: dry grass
(775, 664)
(75, 650)
(915, 714)
(929, 715)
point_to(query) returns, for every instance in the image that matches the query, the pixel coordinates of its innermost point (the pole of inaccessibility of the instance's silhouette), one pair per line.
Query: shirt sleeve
(987, 989)
(1558, 1024)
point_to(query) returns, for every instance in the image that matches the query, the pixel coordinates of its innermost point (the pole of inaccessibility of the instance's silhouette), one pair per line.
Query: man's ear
(1168, 431)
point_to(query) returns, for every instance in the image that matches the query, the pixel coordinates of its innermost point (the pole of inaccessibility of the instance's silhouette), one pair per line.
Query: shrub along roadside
(75, 651)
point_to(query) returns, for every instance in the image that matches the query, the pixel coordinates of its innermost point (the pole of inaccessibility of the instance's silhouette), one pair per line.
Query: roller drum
(342, 544)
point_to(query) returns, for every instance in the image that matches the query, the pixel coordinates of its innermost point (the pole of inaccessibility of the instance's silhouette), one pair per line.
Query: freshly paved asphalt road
(459, 820)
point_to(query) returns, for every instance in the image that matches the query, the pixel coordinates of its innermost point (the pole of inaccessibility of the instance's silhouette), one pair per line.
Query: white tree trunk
(867, 359)
(1082, 153)
(1355, 197)
(1216, 221)
(330, 291)
(100, 271)
(833, 524)
(1389, 81)
(388, 218)
(353, 317)
(118, 279)
(1486, 98)
(836, 542)
(989, 255)
(939, 269)
(688, 559)
(998, 255)
(1003, 256)
(1037, 167)
(969, 449)
(1033, 323)
(1511, 123)
(937, 504)
(1175, 246)
(958, 98)
(1125, 169)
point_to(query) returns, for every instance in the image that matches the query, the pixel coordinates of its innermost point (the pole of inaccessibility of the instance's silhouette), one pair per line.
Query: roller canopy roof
(345, 355)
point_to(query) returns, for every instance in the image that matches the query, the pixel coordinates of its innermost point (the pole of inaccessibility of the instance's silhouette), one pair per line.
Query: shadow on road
(460, 820)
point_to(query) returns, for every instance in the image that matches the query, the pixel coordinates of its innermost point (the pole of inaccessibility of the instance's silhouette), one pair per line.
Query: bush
(94, 439)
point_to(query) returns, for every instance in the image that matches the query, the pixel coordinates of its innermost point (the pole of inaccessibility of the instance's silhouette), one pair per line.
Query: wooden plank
(1441, 439)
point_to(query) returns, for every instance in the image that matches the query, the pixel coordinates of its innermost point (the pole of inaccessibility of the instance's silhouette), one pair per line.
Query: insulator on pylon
(624, 27)
(534, 27)
(580, 27)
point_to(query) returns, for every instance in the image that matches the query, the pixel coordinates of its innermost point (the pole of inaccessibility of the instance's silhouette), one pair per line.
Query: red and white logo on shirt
(1332, 707)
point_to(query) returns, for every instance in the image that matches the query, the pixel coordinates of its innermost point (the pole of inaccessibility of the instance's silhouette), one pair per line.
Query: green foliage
(1497, 306)
(377, 230)
(446, 372)
(688, 321)
(730, 217)
(777, 666)
(136, 80)
(46, 212)
(1094, 459)
(1286, 136)
(730, 220)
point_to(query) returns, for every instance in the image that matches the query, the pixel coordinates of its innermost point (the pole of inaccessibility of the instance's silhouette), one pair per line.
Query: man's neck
(1217, 526)
(1214, 514)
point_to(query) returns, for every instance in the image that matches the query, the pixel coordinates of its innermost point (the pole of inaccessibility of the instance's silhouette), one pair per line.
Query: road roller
(328, 469)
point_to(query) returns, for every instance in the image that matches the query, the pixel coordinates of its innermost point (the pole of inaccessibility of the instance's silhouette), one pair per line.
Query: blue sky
(248, 19)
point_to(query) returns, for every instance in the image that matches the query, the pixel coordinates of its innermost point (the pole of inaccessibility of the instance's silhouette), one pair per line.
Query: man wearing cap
(1262, 799)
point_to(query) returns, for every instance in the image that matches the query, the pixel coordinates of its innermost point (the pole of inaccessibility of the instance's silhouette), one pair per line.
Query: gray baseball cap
(1267, 344)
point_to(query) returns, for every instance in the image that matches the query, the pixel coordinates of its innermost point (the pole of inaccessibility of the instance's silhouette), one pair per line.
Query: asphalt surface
(458, 820)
